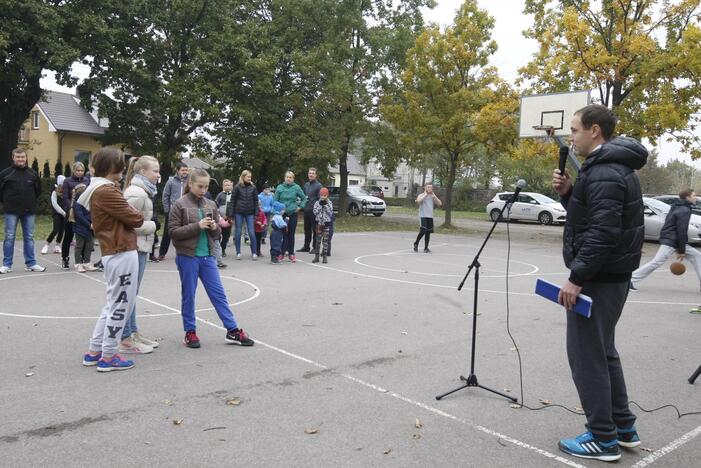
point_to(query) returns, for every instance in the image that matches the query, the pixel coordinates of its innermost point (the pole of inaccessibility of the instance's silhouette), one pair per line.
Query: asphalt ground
(348, 361)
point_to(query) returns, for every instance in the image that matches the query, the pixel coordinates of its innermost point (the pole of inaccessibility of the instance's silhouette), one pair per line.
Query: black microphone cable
(521, 404)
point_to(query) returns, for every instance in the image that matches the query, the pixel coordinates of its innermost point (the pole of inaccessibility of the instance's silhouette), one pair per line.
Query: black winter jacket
(311, 190)
(244, 200)
(604, 230)
(675, 232)
(19, 189)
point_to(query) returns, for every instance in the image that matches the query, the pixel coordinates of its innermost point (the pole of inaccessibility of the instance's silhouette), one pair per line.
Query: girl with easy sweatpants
(194, 230)
(113, 221)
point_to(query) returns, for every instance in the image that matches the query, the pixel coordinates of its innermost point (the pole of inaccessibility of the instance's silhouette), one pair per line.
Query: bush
(398, 201)
(46, 171)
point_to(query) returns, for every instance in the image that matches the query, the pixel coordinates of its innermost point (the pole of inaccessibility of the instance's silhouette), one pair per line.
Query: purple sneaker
(115, 363)
(90, 359)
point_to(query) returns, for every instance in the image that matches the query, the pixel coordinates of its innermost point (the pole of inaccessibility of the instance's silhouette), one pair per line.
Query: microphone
(520, 185)
(564, 152)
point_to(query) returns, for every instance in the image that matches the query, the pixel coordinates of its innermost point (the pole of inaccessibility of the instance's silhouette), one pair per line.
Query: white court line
(659, 453)
(424, 406)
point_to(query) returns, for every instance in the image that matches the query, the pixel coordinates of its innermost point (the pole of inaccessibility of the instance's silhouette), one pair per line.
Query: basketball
(677, 268)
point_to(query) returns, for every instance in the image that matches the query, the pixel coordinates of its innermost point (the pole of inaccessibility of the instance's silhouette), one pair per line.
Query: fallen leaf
(417, 436)
(515, 406)
(311, 431)
(507, 390)
(513, 349)
(645, 449)
(168, 402)
(213, 428)
(418, 424)
(177, 422)
(387, 451)
(404, 333)
(399, 351)
(545, 402)
(337, 303)
(29, 374)
(233, 401)
(579, 410)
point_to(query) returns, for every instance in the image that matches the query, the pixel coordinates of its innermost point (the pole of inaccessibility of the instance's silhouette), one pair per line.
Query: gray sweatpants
(663, 253)
(594, 361)
(121, 274)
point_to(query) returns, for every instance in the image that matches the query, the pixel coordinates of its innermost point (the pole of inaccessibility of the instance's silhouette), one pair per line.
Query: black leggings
(57, 230)
(67, 239)
(425, 230)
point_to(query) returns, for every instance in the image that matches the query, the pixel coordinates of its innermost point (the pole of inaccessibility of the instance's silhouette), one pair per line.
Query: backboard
(550, 110)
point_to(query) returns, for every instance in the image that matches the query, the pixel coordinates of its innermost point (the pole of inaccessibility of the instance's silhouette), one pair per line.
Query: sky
(513, 51)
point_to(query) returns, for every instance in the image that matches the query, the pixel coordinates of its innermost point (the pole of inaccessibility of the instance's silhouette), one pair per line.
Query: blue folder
(550, 291)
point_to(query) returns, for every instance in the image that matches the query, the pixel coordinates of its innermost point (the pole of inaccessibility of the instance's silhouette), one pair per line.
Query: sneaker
(57, 249)
(427, 250)
(130, 346)
(262, 241)
(153, 259)
(416, 247)
(274, 261)
(80, 268)
(238, 256)
(161, 258)
(35, 267)
(89, 267)
(695, 310)
(221, 265)
(191, 340)
(303, 249)
(631, 287)
(136, 336)
(239, 337)
(45, 249)
(293, 259)
(65, 264)
(254, 257)
(586, 446)
(246, 240)
(223, 253)
(628, 437)
(91, 359)
(115, 363)
(4, 270)
(280, 258)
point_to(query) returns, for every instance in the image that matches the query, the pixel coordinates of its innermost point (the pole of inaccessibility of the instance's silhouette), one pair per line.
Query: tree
(58, 169)
(655, 179)
(452, 101)
(36, 35)
(532, 160)
(35, 165)
(66, 169)
(164, 71)
(46, 170)
(640, 57)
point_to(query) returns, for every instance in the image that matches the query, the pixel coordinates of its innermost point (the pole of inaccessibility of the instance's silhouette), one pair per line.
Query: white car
(529, 206)
(655, 214)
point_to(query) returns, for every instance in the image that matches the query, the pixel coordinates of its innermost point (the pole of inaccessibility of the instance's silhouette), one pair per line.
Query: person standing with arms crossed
(426, 200)
(172, 192)
(311, 190)
(602, 244)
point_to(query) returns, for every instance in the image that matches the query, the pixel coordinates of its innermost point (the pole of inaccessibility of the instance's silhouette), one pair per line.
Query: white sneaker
(238, 256)
(131, 346)
(57, 249)
(80, 268)
(89, 267)
(4, 270)
(45, 249)
(35, 267)
(254, 257)
(138, 337)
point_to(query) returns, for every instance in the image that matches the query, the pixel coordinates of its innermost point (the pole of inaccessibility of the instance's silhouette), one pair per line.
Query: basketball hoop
(548, 129)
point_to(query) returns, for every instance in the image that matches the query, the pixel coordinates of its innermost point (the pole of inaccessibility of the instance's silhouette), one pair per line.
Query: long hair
(244, 173)
(138, 164)
(80, 188)
(194, 175)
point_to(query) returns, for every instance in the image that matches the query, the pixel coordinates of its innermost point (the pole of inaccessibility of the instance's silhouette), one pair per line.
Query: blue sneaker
(115, 363)
(91, 360)
(586, 446)
(628, 437)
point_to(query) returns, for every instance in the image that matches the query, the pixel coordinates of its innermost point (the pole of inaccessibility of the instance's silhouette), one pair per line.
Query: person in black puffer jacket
(602, 244)
(243, 208)
(673, 238)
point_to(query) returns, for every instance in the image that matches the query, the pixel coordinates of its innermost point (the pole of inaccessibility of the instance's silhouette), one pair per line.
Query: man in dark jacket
(172, 192)
(673, 238)
(19, 189)
(311, 190)
(602, 244)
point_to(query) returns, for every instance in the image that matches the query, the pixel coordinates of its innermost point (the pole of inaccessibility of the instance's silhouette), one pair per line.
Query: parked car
(529, 206)
(375, 191)
(360, 201)
(655, 214)
(672, 199)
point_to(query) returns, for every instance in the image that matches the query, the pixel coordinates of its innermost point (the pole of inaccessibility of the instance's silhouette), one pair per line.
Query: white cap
(60, 179)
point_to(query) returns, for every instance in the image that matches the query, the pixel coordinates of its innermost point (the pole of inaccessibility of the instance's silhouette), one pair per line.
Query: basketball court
(349, 357)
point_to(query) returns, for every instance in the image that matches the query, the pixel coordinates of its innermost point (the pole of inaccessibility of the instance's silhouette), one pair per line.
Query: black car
(672, 199)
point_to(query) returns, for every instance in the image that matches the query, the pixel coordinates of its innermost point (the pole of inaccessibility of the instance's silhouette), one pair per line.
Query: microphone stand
(692, 379)
(471, 379)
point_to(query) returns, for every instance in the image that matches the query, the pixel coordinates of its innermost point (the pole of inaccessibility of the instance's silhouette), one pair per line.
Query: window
(82, 156)
(35, 120)
(353, 182)
(23, 134)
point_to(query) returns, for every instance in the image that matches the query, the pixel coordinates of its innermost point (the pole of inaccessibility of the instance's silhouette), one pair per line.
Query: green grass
(42, 228)
(481, 215)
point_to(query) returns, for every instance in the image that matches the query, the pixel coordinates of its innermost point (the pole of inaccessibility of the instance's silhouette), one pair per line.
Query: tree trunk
(343, 170)
(14, 111)
(449, 190)
(8, 142)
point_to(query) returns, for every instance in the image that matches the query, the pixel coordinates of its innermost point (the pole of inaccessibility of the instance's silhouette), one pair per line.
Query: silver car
(359, 201)
(655, 214)
(528, 206)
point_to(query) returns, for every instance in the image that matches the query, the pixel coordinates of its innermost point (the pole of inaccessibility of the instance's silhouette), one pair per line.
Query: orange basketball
(677, 268)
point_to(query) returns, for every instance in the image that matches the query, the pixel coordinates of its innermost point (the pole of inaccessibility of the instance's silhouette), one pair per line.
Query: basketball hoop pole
(550, 133)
